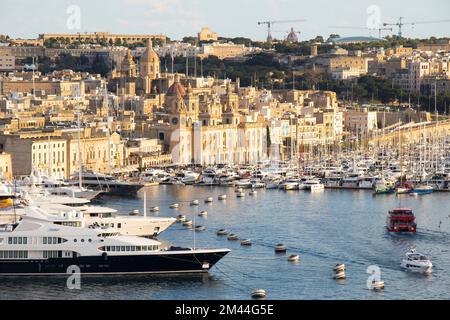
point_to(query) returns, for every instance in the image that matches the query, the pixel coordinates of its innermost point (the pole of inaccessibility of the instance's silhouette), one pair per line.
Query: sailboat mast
(108, 130)
(80, 161)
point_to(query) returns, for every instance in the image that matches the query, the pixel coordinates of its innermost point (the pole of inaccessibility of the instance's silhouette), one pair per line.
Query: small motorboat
(203, 214)
(134, 213)
(174, 206)
(246, 243)
(377, 285)
(200, 228)
(209, 200)
(239, 190)
(258, 294)
(240, 195)
(271, 186)
(181, 218)
(294, 258)
(223, 197)
(154, 209)
(187, 223)
(402, 190)
(222, 232)
(233, 237)
(280, 248)
(416, 262)
(253, 193)
(413, 194)
(195, 203)
(423, 189)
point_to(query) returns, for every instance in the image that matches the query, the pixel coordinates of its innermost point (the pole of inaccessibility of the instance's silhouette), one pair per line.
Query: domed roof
(358, 39)
(149, 54)
(176, 88)
(292, 36)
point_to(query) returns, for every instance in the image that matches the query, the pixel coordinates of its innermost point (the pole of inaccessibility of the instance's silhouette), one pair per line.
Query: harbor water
(324, 228)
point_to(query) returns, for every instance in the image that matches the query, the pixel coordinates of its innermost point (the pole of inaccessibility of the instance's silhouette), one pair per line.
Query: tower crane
(271, 23)
(400, 24)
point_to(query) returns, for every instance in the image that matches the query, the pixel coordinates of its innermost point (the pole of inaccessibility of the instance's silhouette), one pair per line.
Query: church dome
(176, 88)
(292, 36)
(149, 54)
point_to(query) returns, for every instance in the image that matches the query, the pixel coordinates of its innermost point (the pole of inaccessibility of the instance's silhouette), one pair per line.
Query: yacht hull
(115, 189)
(161, 263)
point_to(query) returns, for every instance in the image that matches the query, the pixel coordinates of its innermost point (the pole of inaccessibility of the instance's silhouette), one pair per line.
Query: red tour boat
(401, 220)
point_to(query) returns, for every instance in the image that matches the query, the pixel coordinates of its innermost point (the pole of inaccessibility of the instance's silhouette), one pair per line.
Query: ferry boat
(39, 246)
(401, 220)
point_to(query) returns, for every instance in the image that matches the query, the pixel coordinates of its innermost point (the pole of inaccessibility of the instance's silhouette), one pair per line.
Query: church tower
(150, 67)
(126, 75)
(211, 112)
(128, 67)
(230, 103)
(175, 103)
(192, 104)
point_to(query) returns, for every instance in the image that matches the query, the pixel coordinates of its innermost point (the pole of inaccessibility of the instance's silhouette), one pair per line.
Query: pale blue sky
(177, 18)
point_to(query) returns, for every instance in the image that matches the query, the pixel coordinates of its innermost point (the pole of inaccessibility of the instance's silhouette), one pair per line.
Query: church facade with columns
(210, 131)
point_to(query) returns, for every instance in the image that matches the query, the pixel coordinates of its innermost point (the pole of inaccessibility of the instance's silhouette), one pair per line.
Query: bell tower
(175, 104)
(230, 103)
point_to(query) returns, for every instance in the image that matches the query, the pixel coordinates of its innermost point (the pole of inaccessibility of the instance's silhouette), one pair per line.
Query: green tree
(100, 66)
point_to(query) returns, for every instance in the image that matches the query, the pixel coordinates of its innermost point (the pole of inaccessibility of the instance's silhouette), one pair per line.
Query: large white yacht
(149, 227)
(142, 226)
(42, 244)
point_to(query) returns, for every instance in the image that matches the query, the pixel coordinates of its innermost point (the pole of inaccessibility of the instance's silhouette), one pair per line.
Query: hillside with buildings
(150, 101)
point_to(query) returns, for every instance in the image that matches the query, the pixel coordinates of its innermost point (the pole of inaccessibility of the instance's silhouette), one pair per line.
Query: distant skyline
(231, 18)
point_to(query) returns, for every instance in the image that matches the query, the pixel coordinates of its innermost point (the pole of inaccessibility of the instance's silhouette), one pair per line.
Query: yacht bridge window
(129, 248)
(14, 254)
(17, 240)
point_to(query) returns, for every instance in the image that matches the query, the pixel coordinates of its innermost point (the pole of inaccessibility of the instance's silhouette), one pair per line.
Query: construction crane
(380, 29)
(400, 24)
(271, 23)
